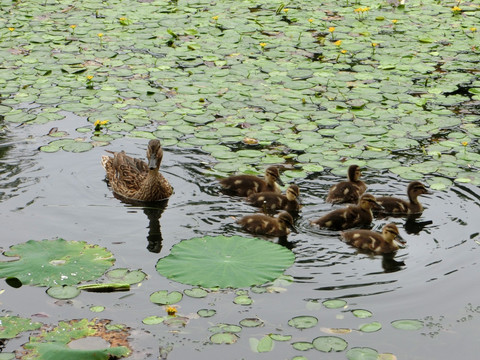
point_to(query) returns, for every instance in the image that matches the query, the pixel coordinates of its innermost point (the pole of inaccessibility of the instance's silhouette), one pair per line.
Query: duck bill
(400, 240)
(152, 162)
(294, 229)
(280, 181)
(378, 207)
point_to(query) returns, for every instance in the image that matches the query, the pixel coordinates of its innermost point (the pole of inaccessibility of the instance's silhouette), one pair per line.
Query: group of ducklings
(134, 180)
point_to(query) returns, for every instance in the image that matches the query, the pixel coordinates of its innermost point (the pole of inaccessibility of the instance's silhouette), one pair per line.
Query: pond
(433, 279)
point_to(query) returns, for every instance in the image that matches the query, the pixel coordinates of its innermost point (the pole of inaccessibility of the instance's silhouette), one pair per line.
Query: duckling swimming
(266, 225)
(384, 243)
(245, 185)
(351, 216)
(271, 201)
(392, 205)
(348, 191)
(133, 179)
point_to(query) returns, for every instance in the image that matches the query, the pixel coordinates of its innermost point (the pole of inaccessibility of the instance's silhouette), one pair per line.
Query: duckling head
(292, 192)
(368, 202)
(272, 175)
(287, 219)
(415, 189)
(354, 173)
(391, 234)
(154, 154)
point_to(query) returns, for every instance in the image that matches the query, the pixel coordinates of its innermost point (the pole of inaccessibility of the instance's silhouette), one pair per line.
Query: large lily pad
(56, 262)
(225, 261)
(11, 326)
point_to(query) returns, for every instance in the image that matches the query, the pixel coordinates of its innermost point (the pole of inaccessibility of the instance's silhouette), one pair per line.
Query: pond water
(44, 196)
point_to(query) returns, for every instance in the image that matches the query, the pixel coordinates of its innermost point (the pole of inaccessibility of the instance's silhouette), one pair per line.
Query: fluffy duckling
(133, 179)
(351, 216)
(386, 242)
(392, 205)
(266, 225)
(245, 185)
(271, 201)
(348, 191)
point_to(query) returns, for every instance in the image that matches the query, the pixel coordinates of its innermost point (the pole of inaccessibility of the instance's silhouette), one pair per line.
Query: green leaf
(56, 262)
(54, 351)
(329, 343)
(224, 338)
(334, 303)
(11, 326)
(303, 322)
(371, 327)
(206, 312)
(265, 344)
(163, 297)
(302, 345)
(126, 276)
(407, 324)
(362, 314)
(196, 292)
(251, 322)
(63, 292)
(225, 261)
(362, 354)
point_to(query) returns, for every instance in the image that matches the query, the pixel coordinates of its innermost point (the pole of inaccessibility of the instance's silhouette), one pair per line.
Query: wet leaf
(362, 354)
(206, 312)
(251, 322)
(329, 343)
(334, 304)
(224, 338)
(407, 324)
(303, 322)
(371, 327)
(11, 326)
(362, 314)
(196, 292)
(163, 297)
(63, 292)
(126, 276)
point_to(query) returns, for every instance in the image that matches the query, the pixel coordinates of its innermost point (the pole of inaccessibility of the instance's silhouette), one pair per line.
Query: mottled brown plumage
(348, 191)
(351, 216)
(266, 225)
(392, 205)
(245, 185)
(384, 243)
(271, 201)
(133, 179)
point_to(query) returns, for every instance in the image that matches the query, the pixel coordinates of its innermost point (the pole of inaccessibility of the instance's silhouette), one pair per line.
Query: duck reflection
(412, 226)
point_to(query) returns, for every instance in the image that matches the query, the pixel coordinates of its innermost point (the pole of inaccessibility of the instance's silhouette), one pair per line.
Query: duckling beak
(152, 162)
(280, 181)
(377, 206)
(400, 240)
(293, 228)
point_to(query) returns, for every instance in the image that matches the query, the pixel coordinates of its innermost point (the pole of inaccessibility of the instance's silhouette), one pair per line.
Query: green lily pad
(62, 351)
(11, 326)
(225, 328)
(56, 262)
(371, 327)
(97, 309)
(225, 261)
(329, 343)
(63, 292)
(196, 292)
(334, 303)
(407, 324)
(303, 322)
(251, 322)
(243, 300)
(280, 337)
(302, 345)
(265, 344)
(224, 338)
(124, 275)
(163, 297)
(206, 312)
(362, 314)
(362, 354)
(154, 320)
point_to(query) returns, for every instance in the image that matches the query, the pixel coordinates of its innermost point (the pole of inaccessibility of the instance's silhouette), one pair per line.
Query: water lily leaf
(62, 351)
(329, 343)
(224, 338)
(196, 292)
(371, 327)
(407, 324)
(126, 276)
(11, 326)
(163, 297)
(63, 292)
(265, 344)
(280, 337)
(243, 300)
(362, 314)
(225, 261)
(302, 345)
(362, 354)
(334, 303)
(225, 328)
(77, 146)
(97, 308)
(206, 312)
(251, 322)
(56, 262)
(154, 320)
(303, 322)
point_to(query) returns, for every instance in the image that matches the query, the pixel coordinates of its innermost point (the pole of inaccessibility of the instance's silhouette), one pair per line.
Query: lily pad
(163, 297)
(196, 292)
(251, 322)
(370, 327)
(302, 345)
(334, 303)
(11, 326)
(225, 261)
(329, 343)
(56, 262)
(63, 292)
(126, 276)
(224, 338)
(407, 324)
(362, 314)
(265, 344)
(303, 322)
(206, 312)
(243, 300)
(362, 354)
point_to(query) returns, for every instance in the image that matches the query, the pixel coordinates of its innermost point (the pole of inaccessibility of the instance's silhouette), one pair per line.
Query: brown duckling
(348, 191)
(271, 201)
(266, 225)
(245, 185)
(392, 205)
(351, 216)
(386, 242)
(133, 179)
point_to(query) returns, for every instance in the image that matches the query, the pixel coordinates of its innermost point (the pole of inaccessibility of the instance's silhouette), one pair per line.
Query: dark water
(43, 196)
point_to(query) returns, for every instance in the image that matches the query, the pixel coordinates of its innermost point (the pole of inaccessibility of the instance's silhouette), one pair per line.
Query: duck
(396, 206)
(385, 243)
(351, 216)
(270, 201)
(245, 185)
(133, 179)
(261, 224)
(348, 191)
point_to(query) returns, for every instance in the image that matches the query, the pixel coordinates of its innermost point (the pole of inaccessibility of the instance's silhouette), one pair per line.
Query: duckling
(392, 205)
(386, 242)
(245, 185)
(271, 201)
(348, 191)
(266, 225)
(133, 179)
(351, 216)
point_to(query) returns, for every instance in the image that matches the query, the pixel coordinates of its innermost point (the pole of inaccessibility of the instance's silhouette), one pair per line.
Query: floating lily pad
(11, 326)
(279, 337)
(371, 327)
(303, 322)
(362, 314)
(302, 345)
(63, 292)
(251, 322)
(334, 303)
(225, 261)
(224, 338)
(362, 354)
(154, 320)
(329, 343)
(265, 344)
(163, 297)
(225, 328)
(407, 324)
(56, 262)
(206, 312)
(196, 292)
(126, 276)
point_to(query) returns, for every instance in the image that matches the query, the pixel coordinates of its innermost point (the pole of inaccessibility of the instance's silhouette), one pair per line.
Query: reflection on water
(69, 199)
